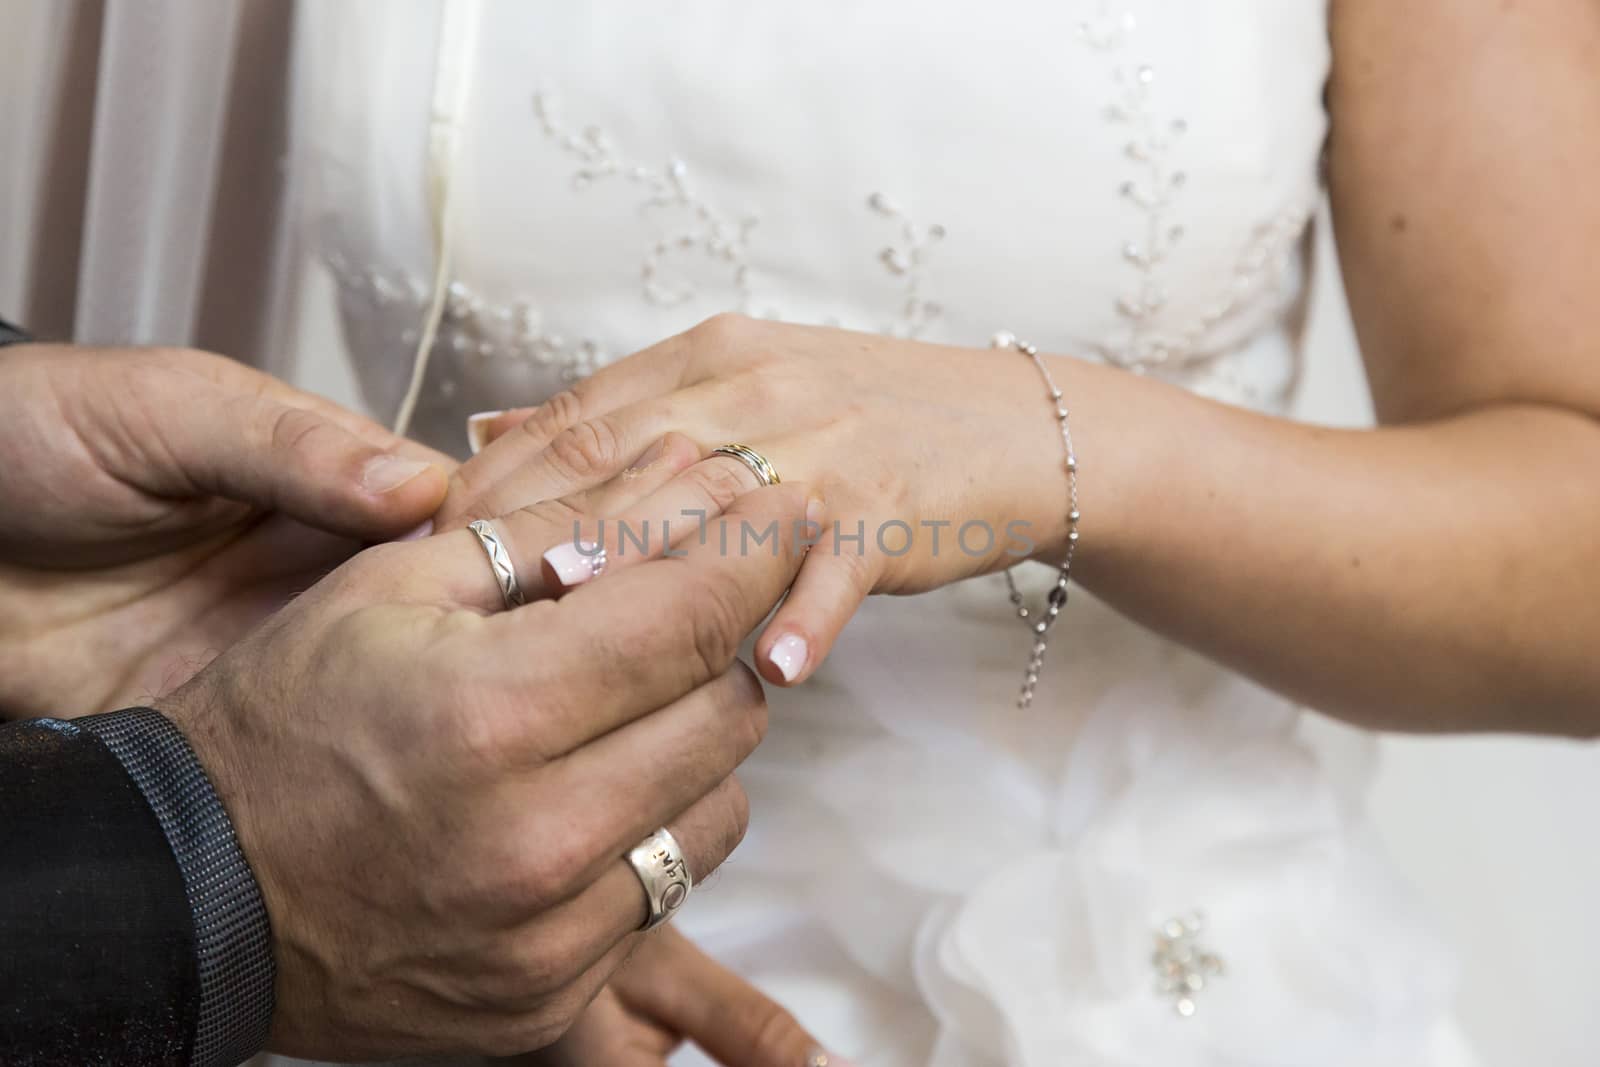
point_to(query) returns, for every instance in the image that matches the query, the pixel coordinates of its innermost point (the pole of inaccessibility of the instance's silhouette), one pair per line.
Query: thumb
(686, 991)
(255, 449)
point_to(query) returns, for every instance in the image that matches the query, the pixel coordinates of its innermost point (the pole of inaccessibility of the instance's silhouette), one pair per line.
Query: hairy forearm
(1437, 576)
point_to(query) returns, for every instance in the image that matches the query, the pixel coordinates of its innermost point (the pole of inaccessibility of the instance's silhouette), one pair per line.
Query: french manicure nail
(419, 533)
(788, 654)
(478, 429)
(385, 474)
(573, 564)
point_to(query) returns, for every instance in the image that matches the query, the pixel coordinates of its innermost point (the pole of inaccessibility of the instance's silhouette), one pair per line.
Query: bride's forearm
(1439, 576)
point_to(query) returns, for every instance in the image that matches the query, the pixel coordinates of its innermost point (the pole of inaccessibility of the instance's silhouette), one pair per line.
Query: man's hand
(670, 993)
(436, 795)
(159, 503)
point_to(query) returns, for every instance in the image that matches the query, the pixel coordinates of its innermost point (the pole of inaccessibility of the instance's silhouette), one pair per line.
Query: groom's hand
(116, 455)
(158, 503)
(436, 795)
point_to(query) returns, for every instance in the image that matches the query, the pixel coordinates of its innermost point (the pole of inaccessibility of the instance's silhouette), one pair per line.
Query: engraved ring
(662, 870)
(505, 575)
(759, 465)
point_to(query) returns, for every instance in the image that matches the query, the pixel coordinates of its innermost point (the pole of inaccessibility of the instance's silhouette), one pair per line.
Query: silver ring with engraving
(664, 874)
(505, 574)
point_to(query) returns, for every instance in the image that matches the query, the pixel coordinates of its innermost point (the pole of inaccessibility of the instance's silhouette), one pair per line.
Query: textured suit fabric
(97, 940)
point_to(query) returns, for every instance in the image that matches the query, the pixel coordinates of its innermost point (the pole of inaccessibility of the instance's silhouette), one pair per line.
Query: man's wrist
(233, 935)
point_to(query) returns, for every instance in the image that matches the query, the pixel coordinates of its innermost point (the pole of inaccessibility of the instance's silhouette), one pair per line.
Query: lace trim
(692, 225)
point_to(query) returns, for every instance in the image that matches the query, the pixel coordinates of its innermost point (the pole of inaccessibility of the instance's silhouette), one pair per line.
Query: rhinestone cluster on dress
(1183, 967)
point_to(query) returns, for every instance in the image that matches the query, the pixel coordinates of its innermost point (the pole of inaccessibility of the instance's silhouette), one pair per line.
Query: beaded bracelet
(1058, 596)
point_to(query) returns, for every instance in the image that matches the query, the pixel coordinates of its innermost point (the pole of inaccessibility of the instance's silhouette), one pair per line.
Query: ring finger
(456, 559)
(605, 918)
(556, 545)
(666, 518)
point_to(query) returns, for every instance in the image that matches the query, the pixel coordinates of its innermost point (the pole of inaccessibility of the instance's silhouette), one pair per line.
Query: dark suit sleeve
(12, 335)
(131, 929)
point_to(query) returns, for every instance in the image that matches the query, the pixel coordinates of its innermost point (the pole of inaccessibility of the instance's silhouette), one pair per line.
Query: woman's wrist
(1037, 488)
(1126, 474)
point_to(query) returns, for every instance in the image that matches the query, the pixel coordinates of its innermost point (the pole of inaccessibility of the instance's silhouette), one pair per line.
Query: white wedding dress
(932, 877)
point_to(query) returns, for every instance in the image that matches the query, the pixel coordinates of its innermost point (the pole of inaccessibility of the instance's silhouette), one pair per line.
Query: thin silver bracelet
(1058, 596)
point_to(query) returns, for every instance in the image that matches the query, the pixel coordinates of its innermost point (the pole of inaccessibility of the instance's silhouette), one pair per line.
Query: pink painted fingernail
(575, 563)
(478, 429)
(788, 654)
(385, 474)
(417, 534)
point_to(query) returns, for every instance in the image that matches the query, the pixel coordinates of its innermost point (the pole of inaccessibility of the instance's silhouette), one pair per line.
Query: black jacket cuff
(233, 939)
(12, 335)
(131, 927)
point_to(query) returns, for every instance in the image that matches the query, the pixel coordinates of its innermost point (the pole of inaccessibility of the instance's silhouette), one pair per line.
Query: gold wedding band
(759, 465)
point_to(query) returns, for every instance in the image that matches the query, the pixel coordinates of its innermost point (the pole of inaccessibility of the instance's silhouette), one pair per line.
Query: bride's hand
(671, 993)
(946, 461)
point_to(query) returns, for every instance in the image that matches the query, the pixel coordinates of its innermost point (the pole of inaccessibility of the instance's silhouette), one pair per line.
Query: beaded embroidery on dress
(1148, 866)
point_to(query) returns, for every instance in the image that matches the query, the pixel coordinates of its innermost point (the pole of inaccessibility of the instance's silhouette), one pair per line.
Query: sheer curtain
(143, 178)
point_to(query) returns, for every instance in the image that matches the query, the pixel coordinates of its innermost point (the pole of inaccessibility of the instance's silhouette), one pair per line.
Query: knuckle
(858, 568)
(294, 429)
(525, 526)
(382, 558)
(535, 1023)
(177, 357)
(554, 415)
(555, 518)
(739, 813)
(521, 1034)
(747, 701)
(724, 330)
(479, 738)
(549, 875)
(479, 730)
(716, 626)
(758, 388)
(586, 450)
(534, 968)
(775, 1030)
(721, 480)
(369, 571)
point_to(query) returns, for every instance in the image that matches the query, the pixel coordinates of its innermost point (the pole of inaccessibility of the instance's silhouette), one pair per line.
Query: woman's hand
(936, 463)
(670, 993)
(159, 503)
